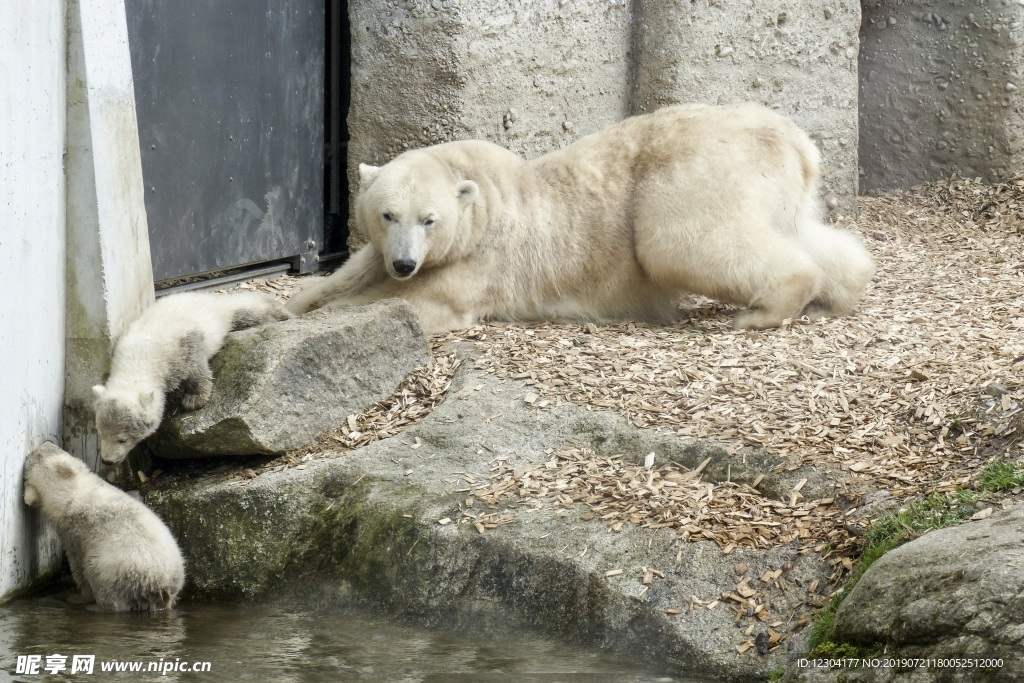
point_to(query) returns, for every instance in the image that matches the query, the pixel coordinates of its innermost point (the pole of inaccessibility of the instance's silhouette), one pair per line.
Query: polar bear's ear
(468, 191)
(98, 390)
(146, 398)
(367, 173)
(64, 470)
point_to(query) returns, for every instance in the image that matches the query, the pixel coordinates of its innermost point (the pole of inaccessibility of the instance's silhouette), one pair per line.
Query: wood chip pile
(911, 394)
(670, 496)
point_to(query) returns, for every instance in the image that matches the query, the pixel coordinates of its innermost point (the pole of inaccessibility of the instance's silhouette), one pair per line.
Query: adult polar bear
(713, 200)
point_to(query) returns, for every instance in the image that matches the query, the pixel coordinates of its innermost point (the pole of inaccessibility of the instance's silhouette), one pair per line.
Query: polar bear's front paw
(193, 401)
(197, 395)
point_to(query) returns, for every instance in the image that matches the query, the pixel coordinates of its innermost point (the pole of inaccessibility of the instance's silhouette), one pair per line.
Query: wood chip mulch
(908, 395)
(670, 496)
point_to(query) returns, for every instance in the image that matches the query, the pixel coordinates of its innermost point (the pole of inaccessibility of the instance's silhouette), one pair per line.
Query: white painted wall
(110, 274)
(32, 120)
(74, 244)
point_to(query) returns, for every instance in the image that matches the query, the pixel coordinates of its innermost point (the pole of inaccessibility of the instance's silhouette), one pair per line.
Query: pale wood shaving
(668, 497)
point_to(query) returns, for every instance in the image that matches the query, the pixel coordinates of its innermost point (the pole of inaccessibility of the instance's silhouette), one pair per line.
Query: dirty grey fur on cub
(122, 555)
(169, 347)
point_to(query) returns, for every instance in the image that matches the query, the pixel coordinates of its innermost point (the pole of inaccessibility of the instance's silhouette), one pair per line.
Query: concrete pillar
(529, 76)
(797, 57)
(32, 52)
(940, 91)
(109, 271)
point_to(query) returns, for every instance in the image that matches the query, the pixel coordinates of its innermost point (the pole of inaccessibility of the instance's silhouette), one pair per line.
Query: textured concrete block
(939, 91)
(277, 387)
(529, 76)
(536, 76)
(799, 58)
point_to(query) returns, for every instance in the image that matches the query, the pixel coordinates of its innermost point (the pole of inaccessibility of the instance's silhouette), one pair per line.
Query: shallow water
(287, 645)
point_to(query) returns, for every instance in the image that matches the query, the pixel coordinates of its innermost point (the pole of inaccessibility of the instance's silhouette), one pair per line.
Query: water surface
(286, 645)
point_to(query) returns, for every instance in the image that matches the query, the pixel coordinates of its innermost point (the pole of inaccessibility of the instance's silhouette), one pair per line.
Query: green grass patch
(917, 517)
(1000, 475)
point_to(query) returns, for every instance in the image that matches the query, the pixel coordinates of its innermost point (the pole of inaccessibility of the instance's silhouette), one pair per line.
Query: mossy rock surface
(363, 528)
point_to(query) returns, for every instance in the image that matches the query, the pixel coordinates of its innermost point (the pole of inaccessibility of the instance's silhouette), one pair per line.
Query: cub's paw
(194, 401)
(196, 393)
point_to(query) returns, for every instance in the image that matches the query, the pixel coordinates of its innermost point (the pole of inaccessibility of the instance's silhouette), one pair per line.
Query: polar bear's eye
(388, 217)
(122, 440)
(428, 222)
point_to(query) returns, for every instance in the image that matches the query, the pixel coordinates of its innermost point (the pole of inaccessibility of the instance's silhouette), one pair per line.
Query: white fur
(149, 360)
(711, 200)
(121, 554)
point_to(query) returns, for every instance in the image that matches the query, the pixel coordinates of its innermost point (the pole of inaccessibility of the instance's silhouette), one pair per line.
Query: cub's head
(124, 418)
(411, 209)
(49, 469)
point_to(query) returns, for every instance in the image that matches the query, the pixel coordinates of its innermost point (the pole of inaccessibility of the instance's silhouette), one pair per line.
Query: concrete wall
(535, 75)
(795, 56)
(940, 90)
(109, 271)
(529, 75)
(31, 270)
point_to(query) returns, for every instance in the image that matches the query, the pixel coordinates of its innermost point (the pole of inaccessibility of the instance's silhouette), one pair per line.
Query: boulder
(277, 387)
(394, 527)
(953, 594)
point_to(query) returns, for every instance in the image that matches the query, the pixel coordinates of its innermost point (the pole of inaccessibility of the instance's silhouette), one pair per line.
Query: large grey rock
(364, 528)
(799, 58)
(279, 386)
(940, 91)
(956, 593)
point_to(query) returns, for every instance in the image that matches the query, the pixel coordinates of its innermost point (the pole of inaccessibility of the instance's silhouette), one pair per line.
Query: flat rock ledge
(953, 594)
(380, 527)
(279, 386)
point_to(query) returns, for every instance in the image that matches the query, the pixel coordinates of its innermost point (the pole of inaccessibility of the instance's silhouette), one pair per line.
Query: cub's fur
(169, 347)
(714, 200)
(121, 555)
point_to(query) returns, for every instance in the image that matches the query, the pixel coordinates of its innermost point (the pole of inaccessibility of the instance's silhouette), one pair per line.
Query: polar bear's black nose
(403, 266)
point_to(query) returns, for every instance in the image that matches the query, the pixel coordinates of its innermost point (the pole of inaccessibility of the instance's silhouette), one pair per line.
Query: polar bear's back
(155, 339)
(714, 151)
(213, 314)
(129, 556)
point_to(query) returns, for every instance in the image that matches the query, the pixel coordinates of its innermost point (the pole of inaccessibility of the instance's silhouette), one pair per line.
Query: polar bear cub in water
(169, 347)
(121, 554)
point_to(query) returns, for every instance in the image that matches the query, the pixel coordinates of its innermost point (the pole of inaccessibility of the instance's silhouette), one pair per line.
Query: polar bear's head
(124, 418)
(411, 209)
(50, 471)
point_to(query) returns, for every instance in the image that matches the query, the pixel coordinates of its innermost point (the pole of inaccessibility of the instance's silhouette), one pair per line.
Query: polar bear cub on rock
(712, 200)
(169, 347)
(122, 555)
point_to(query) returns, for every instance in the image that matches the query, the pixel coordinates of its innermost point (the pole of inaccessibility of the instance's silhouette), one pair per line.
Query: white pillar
(32, 59)
(109, 271)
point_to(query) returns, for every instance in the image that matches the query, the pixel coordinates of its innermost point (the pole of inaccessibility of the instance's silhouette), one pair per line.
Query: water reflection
(287, 645)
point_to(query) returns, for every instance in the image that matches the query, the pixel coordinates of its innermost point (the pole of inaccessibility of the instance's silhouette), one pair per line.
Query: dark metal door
(230, 103)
